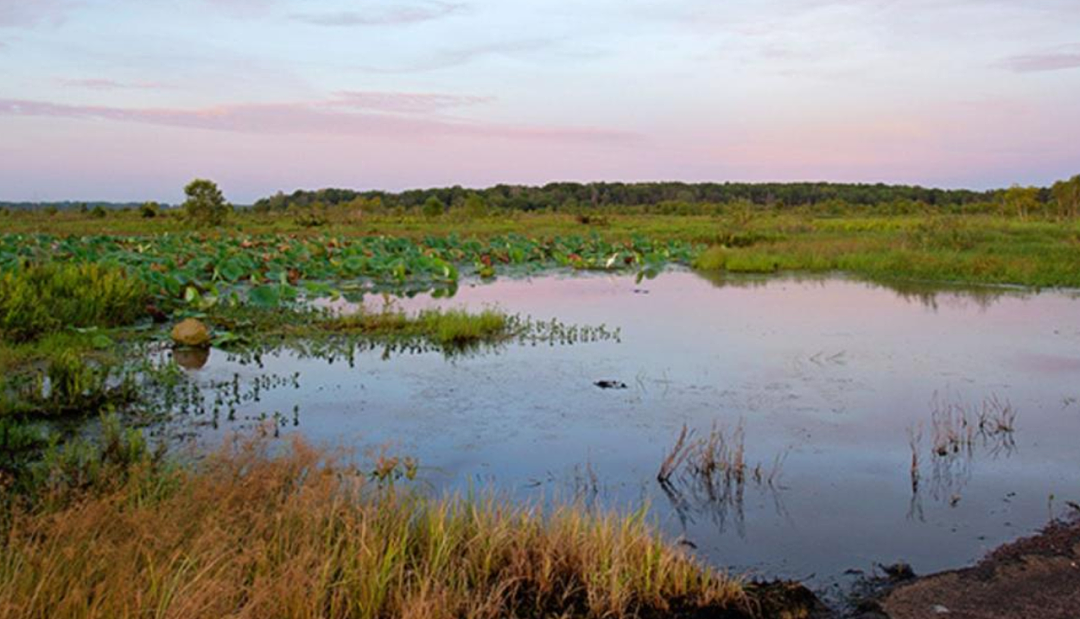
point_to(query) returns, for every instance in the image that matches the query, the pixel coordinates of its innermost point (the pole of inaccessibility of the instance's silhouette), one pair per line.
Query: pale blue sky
(128, 99)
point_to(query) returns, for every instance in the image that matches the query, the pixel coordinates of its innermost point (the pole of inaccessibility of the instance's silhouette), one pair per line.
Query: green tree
(433, 207)
(1021, 201)
(149, 209)
(475, 207)
(1067, 197)
(205, 205)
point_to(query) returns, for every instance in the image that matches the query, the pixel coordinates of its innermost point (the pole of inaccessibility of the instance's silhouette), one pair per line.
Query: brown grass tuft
(296, 535)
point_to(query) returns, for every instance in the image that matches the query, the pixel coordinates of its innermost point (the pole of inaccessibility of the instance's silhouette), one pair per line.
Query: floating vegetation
(202, 271)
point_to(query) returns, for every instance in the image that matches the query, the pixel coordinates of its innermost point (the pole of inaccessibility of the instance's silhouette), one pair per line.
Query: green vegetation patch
(40, 298)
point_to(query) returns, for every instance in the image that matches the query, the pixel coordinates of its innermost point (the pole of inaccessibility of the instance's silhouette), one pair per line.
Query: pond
(880, 424)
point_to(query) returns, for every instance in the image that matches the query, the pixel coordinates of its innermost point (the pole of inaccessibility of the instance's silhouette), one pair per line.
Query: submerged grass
(294, 535)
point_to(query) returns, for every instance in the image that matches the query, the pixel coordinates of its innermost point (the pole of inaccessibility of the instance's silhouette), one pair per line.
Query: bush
(433, 208)
(98, 212)
(149, 210)
(42, 298)
(205, 204)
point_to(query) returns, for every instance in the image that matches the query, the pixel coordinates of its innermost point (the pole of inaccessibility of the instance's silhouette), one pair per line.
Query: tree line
(694, 198)
(573, 196)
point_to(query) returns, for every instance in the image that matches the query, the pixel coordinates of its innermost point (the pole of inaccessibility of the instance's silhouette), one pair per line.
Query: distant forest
(70, 205)
(582, 196)
(660, 197)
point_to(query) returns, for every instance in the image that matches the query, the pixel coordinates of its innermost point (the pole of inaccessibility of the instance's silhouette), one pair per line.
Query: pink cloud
(107, 84)
(396, 15)
(1032, 63)
(312, 118)
(32, 12)
(404, 101)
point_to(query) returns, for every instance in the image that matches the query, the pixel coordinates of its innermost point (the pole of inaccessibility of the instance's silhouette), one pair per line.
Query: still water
(831, 378)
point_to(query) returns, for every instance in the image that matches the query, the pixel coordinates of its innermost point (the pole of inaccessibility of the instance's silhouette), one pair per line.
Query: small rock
(940, 610)
(898, 571)
(610, 384)
(191, 332)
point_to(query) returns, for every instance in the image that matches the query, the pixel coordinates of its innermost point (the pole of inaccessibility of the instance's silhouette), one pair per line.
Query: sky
(129, 99)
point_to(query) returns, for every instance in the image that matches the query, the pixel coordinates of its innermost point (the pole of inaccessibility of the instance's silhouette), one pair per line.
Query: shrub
(42, 298)
(433, 208)
(712, 259)
(149, 210)
(205, 204)
(943, 233)
(475, 207)
(98, 212)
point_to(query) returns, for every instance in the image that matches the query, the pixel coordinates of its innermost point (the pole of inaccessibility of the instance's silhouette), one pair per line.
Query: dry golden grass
(248, 534)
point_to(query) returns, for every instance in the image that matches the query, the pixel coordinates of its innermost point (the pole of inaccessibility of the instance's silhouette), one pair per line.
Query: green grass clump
(712, 259)
(39, 299)
(445, 328)
(459, 327)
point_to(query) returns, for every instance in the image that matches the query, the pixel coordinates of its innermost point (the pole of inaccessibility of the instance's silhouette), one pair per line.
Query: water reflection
(932, 296)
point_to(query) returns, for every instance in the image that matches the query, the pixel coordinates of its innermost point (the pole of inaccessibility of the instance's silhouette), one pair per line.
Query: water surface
(833, 376)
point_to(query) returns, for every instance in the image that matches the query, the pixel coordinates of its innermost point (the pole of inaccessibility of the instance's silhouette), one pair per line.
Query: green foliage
(205, 204)
(98, 463)
(943, 233)
(475, 207)
(38, 299)
(98, 212)
(1021, 202)
(312, 217)
(461, 328)
(149, 210)
(433, 207)
(712, 259)
(664, 197)
(1067, 197)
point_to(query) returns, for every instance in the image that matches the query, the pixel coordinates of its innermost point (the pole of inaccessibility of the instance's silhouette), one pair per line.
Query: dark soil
(1033, 578)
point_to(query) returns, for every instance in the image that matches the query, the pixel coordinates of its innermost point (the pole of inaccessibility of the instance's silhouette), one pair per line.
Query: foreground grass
(247, 534)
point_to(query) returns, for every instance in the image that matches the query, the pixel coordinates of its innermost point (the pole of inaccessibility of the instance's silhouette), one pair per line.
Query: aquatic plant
(717, 458)
(271, 271)
(40, 298)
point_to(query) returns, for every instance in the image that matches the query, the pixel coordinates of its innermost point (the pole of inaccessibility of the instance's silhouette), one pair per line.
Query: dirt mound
(1036, 577)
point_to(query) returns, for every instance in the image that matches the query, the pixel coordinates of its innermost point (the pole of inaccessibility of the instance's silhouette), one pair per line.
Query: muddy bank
(1035, 577)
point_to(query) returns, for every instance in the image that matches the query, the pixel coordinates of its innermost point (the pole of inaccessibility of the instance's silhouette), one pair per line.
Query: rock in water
(610, 384)
(191, 332)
